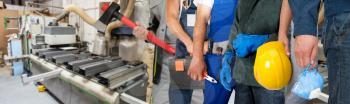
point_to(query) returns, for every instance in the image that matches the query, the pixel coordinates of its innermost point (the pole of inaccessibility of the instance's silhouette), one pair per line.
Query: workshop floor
(12, 91)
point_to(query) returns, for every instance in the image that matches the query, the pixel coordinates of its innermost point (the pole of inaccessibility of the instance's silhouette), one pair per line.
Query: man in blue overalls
(220, 13)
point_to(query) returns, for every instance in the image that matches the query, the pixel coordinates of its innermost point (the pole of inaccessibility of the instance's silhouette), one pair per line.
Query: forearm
(198, 40)
(177, 30)
(202, 18)
(172, 14)
(285, 19)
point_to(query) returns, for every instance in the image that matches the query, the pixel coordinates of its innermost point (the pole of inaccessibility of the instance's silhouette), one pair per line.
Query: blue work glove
(308, 81)
(246, 44)
(226, 70)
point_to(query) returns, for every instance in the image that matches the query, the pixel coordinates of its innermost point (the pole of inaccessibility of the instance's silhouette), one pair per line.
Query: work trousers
(246, 94)
(179, 96)
(336, 39)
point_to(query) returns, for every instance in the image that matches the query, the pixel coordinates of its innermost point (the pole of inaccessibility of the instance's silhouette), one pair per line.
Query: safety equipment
(272, 67)
(308, 81)
(226, 70)
(222, 16)
(246, 44)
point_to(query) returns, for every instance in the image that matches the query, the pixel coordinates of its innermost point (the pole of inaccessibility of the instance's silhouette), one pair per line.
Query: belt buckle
(219, 50)
(219, 47)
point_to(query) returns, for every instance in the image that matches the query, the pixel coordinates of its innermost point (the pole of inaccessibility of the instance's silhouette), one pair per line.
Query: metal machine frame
(100, 91)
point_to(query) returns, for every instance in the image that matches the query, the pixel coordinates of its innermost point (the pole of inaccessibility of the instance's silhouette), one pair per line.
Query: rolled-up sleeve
(208, 3)
(305, 14)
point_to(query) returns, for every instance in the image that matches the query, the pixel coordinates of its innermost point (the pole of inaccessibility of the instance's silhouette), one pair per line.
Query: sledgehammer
(150, 36)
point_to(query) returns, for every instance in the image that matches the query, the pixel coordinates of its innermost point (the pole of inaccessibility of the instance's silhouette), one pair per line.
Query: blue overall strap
(181, 51)
(222, 17)
(221, 20)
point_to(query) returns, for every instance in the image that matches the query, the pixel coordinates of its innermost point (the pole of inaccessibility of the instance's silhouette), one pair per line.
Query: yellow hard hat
(272, 67)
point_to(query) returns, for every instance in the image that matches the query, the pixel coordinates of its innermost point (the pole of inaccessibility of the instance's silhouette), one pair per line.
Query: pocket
(341, 23)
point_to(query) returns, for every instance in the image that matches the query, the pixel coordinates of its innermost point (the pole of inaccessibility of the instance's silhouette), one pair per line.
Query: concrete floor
(12, 91)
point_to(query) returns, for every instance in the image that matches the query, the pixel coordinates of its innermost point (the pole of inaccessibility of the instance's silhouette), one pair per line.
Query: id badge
(191, 19)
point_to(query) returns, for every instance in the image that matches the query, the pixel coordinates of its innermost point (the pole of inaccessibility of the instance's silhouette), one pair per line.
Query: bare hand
(140, 32)
(196, 69)
(306, 50)
(205, 47)
(189, 47)
(285, 41)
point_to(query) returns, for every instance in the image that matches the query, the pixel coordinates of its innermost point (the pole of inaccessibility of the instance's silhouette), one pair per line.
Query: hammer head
(110, 13)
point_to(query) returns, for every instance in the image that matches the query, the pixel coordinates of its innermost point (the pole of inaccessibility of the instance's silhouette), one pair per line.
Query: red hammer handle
(150, 36)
